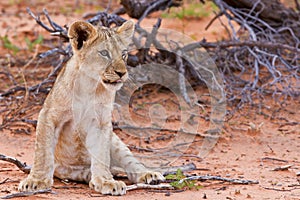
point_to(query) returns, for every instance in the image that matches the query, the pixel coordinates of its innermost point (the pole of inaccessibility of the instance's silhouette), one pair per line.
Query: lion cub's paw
(32, 184)
(111, 187)
(151, 178)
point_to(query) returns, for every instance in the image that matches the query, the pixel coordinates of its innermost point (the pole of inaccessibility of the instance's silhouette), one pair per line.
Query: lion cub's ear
(126, 30)
(81, 32)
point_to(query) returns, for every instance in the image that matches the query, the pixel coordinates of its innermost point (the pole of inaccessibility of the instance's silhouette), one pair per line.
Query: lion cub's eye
(124, 55)
(104, 53)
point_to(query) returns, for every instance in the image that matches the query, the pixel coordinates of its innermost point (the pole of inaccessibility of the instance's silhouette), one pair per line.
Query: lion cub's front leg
(136, 171)
(98, 145)
(41, 174)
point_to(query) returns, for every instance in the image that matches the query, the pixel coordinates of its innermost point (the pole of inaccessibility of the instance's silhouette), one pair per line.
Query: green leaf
(171, 177)
(9, 45)
(39, 40)
(31, 45)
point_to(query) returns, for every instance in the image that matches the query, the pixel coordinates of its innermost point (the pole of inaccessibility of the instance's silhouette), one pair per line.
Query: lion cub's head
(101, 52)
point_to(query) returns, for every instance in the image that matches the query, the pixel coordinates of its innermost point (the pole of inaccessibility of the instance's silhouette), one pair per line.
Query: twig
(212, 20)
(55, 30)
(228, 44)
(276, 189)
(4, 181)
(26, 194)
(152, 7)
(289, 124)
(105, 19)
(218, 178)
(275, 159)
(282, 168)
(22, 166)
(181, 77)
(38, 87)
(147, 186)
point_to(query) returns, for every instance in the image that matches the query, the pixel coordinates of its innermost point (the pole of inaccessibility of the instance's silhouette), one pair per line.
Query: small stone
(168, 194)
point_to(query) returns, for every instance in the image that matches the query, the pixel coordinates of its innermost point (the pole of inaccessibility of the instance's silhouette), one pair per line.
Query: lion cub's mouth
(115, 82)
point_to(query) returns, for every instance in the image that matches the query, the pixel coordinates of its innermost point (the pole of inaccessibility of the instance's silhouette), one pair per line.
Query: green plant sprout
(189, 184)
(32, 44)
(9, 45)
(194, 10)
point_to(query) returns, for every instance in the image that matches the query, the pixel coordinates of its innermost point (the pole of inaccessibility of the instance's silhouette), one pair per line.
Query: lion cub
(74, 138)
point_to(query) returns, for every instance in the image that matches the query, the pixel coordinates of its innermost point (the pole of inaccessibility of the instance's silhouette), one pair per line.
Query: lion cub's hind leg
(79, 173)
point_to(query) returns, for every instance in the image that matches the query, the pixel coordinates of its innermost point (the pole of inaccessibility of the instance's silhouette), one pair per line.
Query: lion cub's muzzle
(115, 77)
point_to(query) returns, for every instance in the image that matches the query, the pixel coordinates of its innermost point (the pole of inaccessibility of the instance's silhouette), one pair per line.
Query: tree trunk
(136, 8)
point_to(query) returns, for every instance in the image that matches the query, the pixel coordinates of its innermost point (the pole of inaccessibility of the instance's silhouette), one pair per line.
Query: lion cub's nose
(120, 74)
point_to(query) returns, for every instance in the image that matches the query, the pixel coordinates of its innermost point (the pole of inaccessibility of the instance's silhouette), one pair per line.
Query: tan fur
(74, 138)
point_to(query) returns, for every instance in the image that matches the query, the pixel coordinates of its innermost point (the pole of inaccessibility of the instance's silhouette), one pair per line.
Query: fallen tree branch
(22, 166)
(55, 28)
(228, 44)
(218, 178)
(26, 194)
(274, 159)
(277, 189)
(147, 186)
(139, 9)
(282, 168)
(4, 181)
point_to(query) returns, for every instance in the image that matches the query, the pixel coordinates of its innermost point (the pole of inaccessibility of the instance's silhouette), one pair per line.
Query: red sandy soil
(241, 152)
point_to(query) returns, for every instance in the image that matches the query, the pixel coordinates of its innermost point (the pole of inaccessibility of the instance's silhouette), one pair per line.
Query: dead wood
(272, 12)
(140, 9)
(274, 159)
(163, 186)
(265, 45)
(22, 166)
(282, 168)
(26, 194)
(218, 178)
(4, 181)
(278, 189)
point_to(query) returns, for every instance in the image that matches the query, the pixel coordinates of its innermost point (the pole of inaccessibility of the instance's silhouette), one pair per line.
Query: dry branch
(265, 46)
(140, 9)
(26, 194)
(218, 178)
(22, 166)
(274, 159)
(4, 181)
(282, 168)
(163, 186)
(277, 189)
(55, 29)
